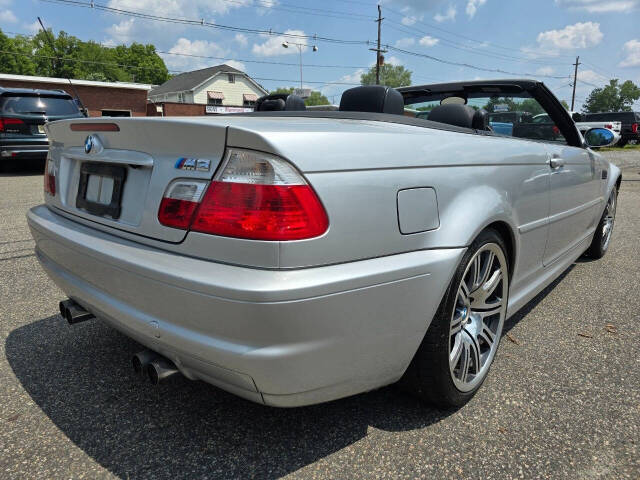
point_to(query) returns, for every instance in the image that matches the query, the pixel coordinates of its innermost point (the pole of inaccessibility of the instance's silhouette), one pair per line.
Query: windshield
(36, 104)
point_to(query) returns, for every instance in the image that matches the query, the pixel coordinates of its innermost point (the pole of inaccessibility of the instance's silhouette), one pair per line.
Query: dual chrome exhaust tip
(153, 366)
(146, 363)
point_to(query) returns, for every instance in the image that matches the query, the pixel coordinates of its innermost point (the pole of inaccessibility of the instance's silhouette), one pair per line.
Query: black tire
(621, 143)
(428, 375)
(599, 246)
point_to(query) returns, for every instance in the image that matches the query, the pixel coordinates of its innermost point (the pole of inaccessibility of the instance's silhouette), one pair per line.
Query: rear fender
(613, 175)
(483, 206)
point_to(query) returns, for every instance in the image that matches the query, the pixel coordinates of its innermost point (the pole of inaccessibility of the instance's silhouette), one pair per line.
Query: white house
(222, 88)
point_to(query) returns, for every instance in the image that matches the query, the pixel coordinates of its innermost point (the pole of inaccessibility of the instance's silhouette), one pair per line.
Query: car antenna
(53, 47)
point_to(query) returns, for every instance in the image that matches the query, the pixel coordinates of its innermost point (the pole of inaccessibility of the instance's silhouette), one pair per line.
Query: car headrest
(294, 102)
(372, 98)
(278, 102)
(460, 116)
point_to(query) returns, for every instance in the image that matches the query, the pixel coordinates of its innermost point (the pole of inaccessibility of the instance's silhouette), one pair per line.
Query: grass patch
(626, 148)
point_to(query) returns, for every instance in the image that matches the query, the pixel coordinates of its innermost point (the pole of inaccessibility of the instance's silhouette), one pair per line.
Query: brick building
(100, 98)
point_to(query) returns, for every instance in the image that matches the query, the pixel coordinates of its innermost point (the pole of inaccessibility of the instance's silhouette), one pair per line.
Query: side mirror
(599, 137)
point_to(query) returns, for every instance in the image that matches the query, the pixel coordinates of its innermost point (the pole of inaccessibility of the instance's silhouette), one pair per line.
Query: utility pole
(378, 50)
(575, 80)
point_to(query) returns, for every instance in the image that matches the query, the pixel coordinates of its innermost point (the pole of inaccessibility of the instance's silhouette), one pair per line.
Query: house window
(249, 99)
(215, 98)
(232, 78)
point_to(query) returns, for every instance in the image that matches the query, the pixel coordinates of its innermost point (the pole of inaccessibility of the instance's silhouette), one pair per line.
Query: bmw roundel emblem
(88, 144)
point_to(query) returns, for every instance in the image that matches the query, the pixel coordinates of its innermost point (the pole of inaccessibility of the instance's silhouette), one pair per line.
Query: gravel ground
(562, 400)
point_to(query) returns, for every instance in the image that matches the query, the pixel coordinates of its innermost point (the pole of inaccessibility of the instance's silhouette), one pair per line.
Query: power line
(271, 32)
(598, 70)
(243, 60)
(49, 57)
(470, 39)
(319, 12)
(77, 60)
(267, 62)
(468, 65)
(203, 23)
(468, 49)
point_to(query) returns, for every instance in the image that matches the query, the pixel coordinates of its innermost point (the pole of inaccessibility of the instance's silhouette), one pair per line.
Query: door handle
(556, 162)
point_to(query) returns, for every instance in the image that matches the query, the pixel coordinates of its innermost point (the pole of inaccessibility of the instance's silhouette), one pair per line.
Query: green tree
(565, 104)
(145, 65)
(285, 90)
(16, 59)
(73, 58)
(390, 75)
(612, 98)
(530, 105)
(316, 98)
(59, 62)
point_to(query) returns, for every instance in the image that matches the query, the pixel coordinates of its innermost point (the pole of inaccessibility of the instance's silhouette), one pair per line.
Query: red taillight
(176, 213)
(634, 128)
(609, 126)
(261, 212)
(180, 202)
(254, 196)
(5, 123)
(50, 177)
(556, 131)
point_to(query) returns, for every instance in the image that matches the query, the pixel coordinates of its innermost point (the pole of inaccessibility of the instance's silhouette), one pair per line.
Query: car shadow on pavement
(22, 169)
(81, 378)
(524, 311)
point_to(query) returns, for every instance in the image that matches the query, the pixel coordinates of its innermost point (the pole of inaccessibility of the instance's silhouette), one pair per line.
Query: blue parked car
(503, 122)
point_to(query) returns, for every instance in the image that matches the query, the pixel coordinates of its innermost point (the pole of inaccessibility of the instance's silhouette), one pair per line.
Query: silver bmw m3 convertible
(294, 257)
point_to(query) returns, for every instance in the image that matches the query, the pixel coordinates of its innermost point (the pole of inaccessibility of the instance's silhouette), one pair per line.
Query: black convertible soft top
(375, 117)
(532, 88)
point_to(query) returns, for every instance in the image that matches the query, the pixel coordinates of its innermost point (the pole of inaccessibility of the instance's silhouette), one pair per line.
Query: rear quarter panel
(357, 174)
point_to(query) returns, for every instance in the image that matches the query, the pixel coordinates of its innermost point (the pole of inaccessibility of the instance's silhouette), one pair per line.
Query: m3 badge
(199, 164)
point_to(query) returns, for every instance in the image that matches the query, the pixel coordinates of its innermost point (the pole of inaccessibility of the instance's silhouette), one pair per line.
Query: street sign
(302, 92)
(219, 109)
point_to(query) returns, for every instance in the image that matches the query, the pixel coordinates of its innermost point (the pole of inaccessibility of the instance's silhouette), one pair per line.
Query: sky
(438, 40)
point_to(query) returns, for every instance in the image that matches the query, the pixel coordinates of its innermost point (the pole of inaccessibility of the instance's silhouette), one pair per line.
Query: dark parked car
(23, 113)
(523, 125)
(630, 124)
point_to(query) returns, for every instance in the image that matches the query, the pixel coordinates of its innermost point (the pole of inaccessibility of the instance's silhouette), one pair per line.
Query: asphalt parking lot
(562, 400)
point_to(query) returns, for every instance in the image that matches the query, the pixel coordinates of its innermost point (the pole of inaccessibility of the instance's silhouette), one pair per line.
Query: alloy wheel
(478, 317)
(609, 220)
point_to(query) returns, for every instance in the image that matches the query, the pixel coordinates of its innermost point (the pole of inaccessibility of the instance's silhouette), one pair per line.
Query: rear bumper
(284, 338)
(16, 150)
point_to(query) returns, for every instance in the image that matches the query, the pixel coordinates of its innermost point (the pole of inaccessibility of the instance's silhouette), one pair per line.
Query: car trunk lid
(113, 173)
